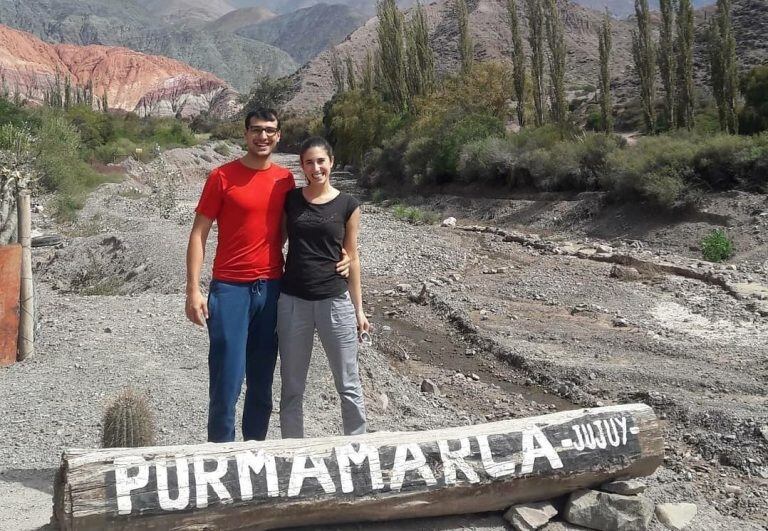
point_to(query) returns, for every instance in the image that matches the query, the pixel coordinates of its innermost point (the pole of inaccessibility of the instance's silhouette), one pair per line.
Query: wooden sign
(10, 280)
(378, 476)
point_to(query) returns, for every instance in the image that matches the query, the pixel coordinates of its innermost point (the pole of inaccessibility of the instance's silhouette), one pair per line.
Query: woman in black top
(320, 221)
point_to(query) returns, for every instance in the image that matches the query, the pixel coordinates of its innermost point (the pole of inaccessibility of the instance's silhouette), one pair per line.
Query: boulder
(609, 512)
(428, 386)
(624, 273)
(449, 222)
(676, 516)
(530, 516)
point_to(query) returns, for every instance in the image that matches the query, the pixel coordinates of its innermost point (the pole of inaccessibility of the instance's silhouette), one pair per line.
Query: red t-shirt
(247, 205)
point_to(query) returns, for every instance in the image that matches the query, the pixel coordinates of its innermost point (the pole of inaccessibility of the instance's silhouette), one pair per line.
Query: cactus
(128, 422)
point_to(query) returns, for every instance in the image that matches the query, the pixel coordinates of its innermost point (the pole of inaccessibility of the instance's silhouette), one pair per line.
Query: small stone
(604, 249)
(624, 273)
(470, 352)
(384, 401)
(625, 488)
(609, 512)
(764, 432)
(562, 526)
(402, 288)
(733, 489)
(107, 330)
(449, 222)
(428, 386)
(475, 377)
(676, 516)
(530, 516)
(620, 322)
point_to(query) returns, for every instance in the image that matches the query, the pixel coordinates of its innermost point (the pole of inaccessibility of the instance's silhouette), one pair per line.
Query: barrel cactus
(128, 421)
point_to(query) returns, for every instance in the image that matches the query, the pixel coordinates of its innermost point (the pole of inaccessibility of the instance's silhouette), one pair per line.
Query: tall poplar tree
(723, 66)
(557, 56)
(666, 58)
(605, 43)
(421, 61)
(535, 14)
(368, 75)
(351, 76)
(644, 54)
(685, 95)
(392, 53)
(337, 71)
(466, 47)
(518, 61)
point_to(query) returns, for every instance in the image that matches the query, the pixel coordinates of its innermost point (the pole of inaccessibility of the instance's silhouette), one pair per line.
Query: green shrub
(357, 122)
(655, 169)
(296, 129)
(222, 149)
(444, 160)
(753, 118)
(488, 161)
(717, 247)
(414, 215)
(378, 195)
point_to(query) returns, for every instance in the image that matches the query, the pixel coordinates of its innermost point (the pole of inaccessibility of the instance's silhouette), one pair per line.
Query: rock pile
(614, 506)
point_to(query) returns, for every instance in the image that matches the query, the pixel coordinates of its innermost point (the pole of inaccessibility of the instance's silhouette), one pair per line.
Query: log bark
(27, 297)
(372, 477)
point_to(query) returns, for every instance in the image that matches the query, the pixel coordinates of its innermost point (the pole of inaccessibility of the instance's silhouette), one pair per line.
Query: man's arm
(196, 306)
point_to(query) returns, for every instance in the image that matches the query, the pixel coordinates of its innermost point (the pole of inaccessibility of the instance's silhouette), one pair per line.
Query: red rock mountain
(132, 81)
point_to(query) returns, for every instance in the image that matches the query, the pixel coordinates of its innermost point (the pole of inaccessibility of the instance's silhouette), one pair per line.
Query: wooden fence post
(27, 299)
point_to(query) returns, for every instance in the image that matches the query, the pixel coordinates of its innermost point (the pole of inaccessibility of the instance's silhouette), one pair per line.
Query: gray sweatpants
(336, 325)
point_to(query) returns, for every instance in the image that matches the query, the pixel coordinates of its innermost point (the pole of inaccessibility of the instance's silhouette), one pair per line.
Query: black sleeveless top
(315, 238)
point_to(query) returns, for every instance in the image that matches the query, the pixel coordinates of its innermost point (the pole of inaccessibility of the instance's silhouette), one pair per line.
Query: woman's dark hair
(315, 142)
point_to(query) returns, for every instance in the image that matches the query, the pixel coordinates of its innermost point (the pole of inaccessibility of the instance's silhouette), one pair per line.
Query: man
(245, 197)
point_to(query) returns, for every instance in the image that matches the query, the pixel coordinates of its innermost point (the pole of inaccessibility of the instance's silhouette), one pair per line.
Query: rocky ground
(502, 328)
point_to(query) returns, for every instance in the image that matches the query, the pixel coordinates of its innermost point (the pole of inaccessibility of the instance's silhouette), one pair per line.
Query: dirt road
(505, 330)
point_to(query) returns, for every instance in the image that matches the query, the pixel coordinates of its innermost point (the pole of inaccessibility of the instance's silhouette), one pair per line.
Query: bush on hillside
(753, 118)
(357, 122)
(717, 247)
(296, 129)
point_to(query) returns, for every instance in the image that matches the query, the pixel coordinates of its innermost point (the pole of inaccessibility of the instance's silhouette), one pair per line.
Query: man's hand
(196, 308)
(342, 268)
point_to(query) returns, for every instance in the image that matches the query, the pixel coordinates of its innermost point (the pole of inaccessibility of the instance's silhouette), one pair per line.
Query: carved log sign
(232, 485)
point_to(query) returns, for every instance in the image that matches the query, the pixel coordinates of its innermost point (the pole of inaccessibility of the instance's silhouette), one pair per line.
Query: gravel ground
(544, 338)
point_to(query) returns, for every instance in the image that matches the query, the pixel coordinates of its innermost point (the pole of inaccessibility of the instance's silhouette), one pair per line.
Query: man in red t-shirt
(245, 197)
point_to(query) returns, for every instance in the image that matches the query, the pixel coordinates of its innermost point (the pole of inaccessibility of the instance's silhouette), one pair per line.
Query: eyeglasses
(257, 130)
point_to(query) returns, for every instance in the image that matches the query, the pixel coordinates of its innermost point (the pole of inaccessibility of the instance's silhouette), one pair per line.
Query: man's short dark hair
(264, 114)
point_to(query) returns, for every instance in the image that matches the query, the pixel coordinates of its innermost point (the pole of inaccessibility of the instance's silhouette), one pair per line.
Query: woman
(320, 220)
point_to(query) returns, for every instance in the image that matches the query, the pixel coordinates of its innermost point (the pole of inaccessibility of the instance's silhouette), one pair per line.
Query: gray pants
(336, 325)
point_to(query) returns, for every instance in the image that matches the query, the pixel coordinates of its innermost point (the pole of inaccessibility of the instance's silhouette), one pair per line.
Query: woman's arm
(355, 290)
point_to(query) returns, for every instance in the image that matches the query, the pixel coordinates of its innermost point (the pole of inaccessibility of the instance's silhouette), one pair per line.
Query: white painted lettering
(531, 437)
(212, 478)
(600, 439)
(254, 463)
(612, 432)
(182, 481)
(402, 465)
(454, 460)
(125, 484)
(347, 455)
(623, 423)
(300, 472)
(493, 468)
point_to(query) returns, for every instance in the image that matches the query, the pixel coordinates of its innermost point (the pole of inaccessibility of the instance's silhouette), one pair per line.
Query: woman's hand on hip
(342, 267)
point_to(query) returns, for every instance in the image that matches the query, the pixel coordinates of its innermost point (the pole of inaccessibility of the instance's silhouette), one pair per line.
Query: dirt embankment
(505, 329)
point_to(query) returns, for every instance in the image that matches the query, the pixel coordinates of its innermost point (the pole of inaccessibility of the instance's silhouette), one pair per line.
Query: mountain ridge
(132, 81)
